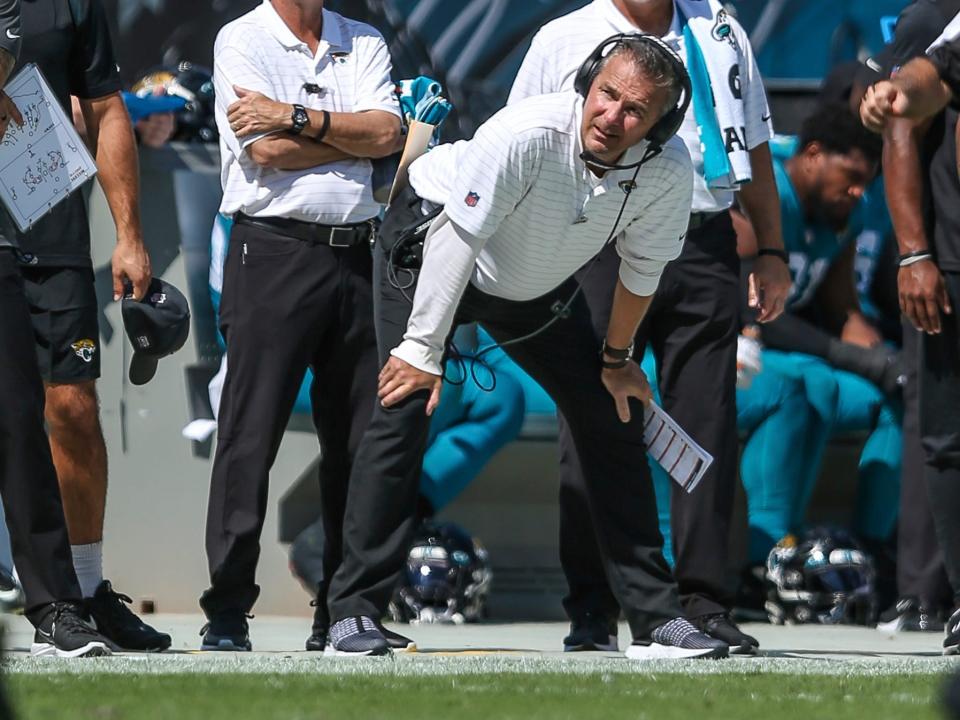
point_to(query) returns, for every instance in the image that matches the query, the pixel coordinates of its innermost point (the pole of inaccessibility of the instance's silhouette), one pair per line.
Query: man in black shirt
(69, 40)
(28, 481)
(923, 192)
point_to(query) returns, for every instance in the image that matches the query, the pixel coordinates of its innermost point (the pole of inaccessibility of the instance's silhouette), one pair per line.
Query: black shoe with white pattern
(356, 637)
(591, 633)
(951, 643)
(720, 627)
(114, 619)
(64, 634)
(677, 639)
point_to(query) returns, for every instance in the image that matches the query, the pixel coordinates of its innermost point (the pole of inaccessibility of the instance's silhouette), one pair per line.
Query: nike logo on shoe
(12, 36)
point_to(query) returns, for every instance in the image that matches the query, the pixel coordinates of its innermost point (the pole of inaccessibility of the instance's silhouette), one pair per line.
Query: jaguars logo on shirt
(723, 32)
(84, 349)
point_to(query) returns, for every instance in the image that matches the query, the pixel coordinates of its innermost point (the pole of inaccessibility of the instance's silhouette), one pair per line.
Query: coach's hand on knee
(625, 383)
(399, 379)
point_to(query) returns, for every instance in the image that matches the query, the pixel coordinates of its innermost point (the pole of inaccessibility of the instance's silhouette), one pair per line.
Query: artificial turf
(504, 696)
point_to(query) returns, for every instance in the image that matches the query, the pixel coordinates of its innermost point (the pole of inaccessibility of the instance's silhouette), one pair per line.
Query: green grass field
(504, 696)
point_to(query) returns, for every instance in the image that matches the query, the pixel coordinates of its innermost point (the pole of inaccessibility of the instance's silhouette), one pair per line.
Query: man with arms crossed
(523, 210)
(693, 323)
(304, 101)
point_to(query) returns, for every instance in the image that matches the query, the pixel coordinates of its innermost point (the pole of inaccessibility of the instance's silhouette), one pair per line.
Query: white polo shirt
(259, 52)
(535, 214)
(561, 46)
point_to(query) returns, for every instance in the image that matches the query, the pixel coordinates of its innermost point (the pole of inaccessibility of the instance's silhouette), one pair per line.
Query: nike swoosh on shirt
(765, 118)
(12, 36)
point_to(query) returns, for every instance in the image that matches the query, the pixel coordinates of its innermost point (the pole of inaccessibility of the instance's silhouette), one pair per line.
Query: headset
(658, 135)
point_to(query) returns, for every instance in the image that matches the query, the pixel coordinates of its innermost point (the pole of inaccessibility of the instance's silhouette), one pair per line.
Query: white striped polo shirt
(352, 67)
(520, 187)
(560, 47)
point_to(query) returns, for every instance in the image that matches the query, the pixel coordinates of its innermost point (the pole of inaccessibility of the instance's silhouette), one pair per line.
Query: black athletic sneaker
(951, 643)
(396, 641)
(317, 641)
(675, 640)
(356, 637)
(908, 615)
(64, 634)
(114, 619)
(720, 627)
(591, 633)
(227, 631)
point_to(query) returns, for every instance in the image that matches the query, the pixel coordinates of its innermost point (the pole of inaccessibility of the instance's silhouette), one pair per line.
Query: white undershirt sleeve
(449, 257)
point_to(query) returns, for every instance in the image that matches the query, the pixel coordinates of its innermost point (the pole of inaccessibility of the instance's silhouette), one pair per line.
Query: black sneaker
(951, 643)
(908, 615)
(396, 641)
(591, 633)
(228, 632)
(675, 640)
(356, 637)
(114, 619)
(64, 634)
(317, 641)
(720, 627)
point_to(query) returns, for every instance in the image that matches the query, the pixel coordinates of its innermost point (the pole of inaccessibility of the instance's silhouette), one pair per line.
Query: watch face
(300, 119)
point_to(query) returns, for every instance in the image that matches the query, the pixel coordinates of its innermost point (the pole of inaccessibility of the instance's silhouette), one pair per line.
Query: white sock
(88, 564)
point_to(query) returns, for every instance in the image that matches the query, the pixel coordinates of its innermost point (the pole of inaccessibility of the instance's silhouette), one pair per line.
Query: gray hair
(652, 62)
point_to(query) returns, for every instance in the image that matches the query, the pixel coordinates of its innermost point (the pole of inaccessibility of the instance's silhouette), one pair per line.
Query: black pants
(28, 480)
(287, 305)
(382, 500)
(920, 571)
(692, 327)
(939, 388)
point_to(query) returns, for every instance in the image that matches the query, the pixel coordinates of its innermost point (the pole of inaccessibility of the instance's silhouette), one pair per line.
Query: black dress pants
(28, 480)
(619, 497)
(287, 305)
(939, 388)
(920, 571)
(692, 327)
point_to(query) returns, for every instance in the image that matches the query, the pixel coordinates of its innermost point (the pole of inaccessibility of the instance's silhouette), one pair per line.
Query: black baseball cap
(157, 326)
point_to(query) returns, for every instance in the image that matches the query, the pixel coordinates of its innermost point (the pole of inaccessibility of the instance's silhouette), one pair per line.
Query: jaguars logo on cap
(84, 349)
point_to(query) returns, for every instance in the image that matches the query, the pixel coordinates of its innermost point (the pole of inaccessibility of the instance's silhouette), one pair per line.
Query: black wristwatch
(621, 356)
(299, 118)
(775, 252)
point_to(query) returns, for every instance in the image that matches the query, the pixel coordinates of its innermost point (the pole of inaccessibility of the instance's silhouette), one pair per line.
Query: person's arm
(9, 52)
(628, 381)
(920, 285)
(770, 279)
(287, 152)
(837, 295)
(111, 134)
(450, 254)
(368, 134)
(917, 92)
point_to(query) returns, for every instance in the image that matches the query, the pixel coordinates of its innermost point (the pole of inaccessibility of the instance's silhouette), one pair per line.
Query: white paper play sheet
(675, 451)
(44, 161)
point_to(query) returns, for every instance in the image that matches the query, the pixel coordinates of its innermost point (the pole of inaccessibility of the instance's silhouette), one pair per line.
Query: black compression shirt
(70, 41)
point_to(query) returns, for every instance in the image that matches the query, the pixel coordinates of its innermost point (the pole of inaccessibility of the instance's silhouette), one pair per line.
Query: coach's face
(621, 107)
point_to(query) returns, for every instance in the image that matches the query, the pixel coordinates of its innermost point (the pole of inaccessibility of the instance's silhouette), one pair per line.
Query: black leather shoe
(721, 627)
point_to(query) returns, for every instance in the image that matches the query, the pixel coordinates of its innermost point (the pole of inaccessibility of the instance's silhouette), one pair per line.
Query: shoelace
(67, 616)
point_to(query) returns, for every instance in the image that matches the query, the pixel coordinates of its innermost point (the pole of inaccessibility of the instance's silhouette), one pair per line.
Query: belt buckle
(333, 237)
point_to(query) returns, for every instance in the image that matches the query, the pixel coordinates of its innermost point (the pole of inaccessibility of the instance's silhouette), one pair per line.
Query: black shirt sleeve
(93, 64)
(917, 27)
(10, 27)
(946, 59)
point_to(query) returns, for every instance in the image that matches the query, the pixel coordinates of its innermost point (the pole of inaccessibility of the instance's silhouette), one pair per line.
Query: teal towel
(716, 163)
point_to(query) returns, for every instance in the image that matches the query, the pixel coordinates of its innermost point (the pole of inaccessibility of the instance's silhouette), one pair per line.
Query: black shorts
(63, 308)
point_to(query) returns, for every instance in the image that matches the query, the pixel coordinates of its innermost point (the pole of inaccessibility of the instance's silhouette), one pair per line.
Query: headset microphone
(593, 161)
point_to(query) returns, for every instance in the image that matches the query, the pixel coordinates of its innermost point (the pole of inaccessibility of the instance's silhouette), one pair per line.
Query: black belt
(337, 236)
(699, 219)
